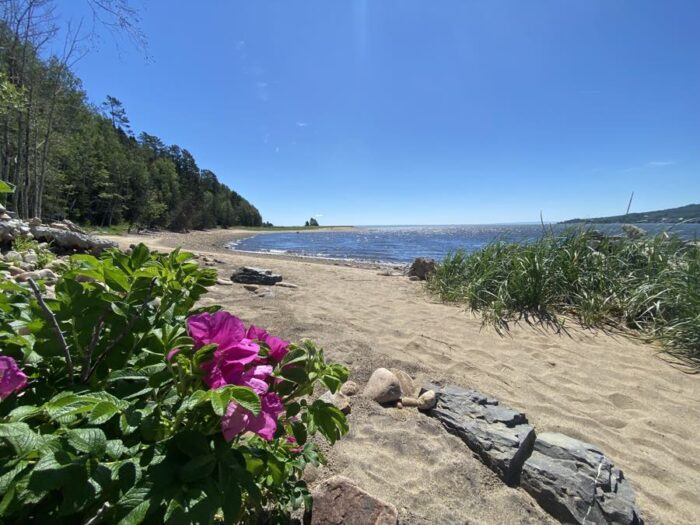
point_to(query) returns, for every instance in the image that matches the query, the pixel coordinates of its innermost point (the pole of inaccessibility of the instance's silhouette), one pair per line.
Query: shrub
(44, 255)
(137, 407)
(647, 285)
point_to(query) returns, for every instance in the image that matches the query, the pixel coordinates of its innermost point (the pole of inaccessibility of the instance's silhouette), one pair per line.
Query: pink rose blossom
(256, 333)
(238, 419)
(173, 353)
(278, 348)
(12, 379)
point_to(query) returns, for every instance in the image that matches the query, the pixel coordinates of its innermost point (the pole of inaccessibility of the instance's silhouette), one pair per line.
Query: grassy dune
(649, 286)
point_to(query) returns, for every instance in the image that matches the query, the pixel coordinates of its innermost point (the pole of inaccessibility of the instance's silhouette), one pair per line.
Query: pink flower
(291, 440)
(221, 328)
(278, 348)
(12, 379)
(173, 353)
(234, 350)
(256, 333)
(238, 419)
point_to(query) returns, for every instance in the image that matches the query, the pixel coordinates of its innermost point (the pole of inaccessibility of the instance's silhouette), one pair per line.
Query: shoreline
(215, 241)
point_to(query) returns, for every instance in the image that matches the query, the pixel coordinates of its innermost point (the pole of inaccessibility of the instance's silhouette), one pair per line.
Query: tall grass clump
(648, 285)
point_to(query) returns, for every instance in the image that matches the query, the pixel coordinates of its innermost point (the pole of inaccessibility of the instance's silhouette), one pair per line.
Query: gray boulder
(421, 268)
(576, 483)
(250, 275)
(500, 436)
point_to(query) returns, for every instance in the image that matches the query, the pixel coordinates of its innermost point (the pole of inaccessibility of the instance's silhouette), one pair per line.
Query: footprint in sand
(622, 401)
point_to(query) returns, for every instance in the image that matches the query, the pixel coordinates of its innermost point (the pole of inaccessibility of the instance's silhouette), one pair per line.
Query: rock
(338, 400)
(406, 382)
(383, 386)
(13, 256)
(427, 400)
(338, 500)
(500, 436)
(35, 221)
(67, 240)
(27, 267)
(410, 401)
(349, 388)
(5, 217)
(47, 275)
(576, 483)
(25, 276)
(30, 257)
(250, 275)
(422, 267)
(224, 282)
(13, 270)
(414, 278)
(250, 287)
(59, 226)
(287, 285)
(265, 294)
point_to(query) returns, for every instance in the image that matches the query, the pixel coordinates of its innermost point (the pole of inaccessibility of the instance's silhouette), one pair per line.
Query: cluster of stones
(23, 266)
(572, 480)
(63, 237)
(394, 387)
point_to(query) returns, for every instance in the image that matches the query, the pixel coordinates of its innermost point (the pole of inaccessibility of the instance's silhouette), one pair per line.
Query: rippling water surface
(401, 244)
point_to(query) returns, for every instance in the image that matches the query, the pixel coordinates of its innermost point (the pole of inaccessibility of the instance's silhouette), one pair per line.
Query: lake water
(402, 244)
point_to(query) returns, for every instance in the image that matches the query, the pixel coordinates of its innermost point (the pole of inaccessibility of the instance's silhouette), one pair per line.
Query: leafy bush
(649, 285)
(121, 403)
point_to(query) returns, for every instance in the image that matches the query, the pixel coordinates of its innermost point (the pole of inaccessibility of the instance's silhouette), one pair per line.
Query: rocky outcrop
(68, 240)
(421, 268)
(250, 275)
(500, 436)
(383, 386)
(576, 483)
(338, 500)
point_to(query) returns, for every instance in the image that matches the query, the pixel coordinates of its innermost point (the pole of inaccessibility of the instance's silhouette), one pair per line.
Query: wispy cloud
(660, 163)
(302, 124)
(262, 91)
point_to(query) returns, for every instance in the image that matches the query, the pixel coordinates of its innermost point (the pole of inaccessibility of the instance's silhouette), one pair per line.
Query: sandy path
(618, 394)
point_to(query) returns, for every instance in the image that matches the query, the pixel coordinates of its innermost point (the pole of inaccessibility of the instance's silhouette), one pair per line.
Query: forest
(69, 159)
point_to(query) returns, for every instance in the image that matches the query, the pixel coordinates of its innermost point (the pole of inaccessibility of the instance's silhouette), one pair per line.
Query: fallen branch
(54, 325)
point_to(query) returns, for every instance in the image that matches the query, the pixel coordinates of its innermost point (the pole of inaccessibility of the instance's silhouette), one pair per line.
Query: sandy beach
(641, 408)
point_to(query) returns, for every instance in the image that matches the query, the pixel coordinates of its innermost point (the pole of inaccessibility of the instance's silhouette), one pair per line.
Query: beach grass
(647, 286)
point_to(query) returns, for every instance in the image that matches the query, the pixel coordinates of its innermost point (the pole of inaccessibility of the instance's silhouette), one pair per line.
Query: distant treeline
(68, 159)
(688, 214)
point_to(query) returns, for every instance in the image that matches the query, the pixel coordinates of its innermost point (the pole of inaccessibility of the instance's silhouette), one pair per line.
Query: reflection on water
(402, 244)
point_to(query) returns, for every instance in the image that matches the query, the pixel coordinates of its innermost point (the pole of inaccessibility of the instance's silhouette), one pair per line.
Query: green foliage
(110, 430)
(647, 285)
(69, 160)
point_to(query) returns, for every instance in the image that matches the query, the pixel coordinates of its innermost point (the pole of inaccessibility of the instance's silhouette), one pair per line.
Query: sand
(642, 409)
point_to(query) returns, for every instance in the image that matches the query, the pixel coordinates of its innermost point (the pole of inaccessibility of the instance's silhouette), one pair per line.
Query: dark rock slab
(421, 267)
(576, 483)
(250, 275)
(338, 501)
(499, 435)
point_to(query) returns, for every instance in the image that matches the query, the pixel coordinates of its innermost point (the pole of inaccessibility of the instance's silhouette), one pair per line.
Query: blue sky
(421, 112)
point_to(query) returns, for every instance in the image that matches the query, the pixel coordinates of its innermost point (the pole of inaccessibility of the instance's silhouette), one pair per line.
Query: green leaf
(20, 437)
(102, 412)
(196, 398)
(6, 187)
(197, 468)
(89, 440)
(244, 396)
(204, 354)
(24, 412)
(295, 374)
